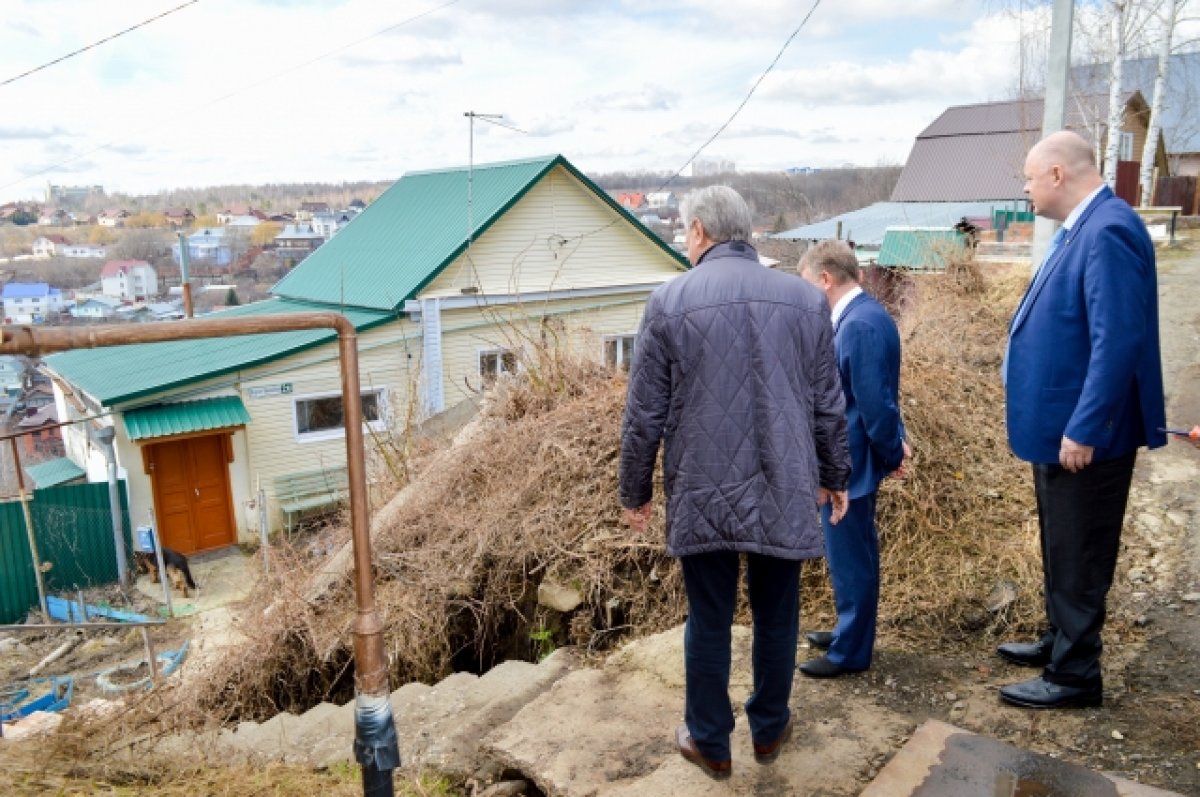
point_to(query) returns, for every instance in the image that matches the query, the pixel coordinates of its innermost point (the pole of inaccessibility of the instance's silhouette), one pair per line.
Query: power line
(732, 116)
(243, 89)
(97, 44)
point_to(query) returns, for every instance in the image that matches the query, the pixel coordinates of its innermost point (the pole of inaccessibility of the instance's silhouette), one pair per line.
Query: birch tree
(1170, 17)
(1115, 109)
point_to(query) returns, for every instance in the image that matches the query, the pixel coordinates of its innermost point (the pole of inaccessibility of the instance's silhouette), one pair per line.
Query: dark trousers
(711, 580)
(1080, 515)
(852, 550)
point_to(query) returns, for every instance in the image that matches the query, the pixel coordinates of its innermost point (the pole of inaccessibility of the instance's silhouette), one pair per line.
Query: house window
(618, 351)
(1125, 146)
(493, 362)
(321, 417)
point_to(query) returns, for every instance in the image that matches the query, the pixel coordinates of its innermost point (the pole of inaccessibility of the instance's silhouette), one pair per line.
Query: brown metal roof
(977, 152)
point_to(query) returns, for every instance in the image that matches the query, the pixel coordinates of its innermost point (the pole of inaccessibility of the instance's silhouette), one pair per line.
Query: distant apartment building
(71, 194)
(709, 167)
(29, 302)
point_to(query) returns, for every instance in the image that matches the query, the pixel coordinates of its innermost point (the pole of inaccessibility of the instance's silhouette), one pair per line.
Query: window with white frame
(1125, 146)
(493, 362)
(618, 350)
(320, 417)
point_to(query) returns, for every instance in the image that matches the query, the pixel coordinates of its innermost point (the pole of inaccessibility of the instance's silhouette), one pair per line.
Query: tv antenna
(490, 118)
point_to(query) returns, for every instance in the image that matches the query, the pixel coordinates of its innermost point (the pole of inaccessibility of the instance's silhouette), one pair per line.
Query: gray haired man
(734, 370)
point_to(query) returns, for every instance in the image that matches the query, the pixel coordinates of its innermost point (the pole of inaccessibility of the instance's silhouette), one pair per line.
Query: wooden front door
(192, 505)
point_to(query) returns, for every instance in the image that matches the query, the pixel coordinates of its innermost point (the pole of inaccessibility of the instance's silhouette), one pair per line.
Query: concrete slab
(940, 760)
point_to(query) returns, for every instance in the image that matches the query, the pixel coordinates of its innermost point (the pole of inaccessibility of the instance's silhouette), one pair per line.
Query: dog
(177, 568)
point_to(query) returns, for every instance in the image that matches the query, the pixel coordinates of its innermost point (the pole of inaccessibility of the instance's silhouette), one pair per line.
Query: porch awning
(183, 417)
(53, 472)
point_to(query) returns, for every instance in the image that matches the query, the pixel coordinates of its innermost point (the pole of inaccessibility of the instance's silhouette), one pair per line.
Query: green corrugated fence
(73, 528)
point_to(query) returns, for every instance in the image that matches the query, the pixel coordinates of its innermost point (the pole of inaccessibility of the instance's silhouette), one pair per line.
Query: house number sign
(271, 390)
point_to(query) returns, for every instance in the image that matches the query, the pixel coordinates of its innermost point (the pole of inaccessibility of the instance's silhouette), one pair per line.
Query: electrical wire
(93, 45)
(732, 116)
(241, 90)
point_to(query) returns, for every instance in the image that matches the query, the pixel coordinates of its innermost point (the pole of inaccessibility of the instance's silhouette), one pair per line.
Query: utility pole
(1054, 117)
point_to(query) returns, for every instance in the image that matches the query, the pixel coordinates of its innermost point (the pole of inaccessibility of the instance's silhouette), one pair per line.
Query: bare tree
(1170, 17)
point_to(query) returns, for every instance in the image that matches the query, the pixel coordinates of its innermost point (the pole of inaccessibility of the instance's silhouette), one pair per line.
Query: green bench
(311, 489)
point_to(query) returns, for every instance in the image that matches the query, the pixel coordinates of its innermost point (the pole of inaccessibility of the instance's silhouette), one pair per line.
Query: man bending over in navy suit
(1083, 377)
(868, 357)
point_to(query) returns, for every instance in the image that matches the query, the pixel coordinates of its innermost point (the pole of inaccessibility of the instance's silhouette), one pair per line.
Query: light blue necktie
(1055, 242)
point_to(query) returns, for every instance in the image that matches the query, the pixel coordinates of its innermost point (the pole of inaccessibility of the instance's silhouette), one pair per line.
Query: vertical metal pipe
(185, 284)
(104, 438)
(376, 747)
(33, 549)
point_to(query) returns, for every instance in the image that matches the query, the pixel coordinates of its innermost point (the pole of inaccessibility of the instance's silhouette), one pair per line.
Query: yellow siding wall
(524, 251)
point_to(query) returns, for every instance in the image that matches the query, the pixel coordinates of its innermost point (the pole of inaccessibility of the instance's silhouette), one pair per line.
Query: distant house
(327, 224)
(179, 217)
(97, 308)
(297, 241)
(12, 375)
(244, 222)
(48, 246)
(632, 200)
(662, 199)
(112, 217)
(41, 436)
(440, 312)
(211, 246)
(165, 311)
(83, 251)
(227, 214)
(54, 217)
(38, 396)
(129, 279)
(29, 302)
(307, 209)
(1180, 124)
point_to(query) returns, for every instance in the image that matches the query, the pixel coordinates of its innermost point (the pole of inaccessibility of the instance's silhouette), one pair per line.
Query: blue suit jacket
(868, 355)
(1083, 357)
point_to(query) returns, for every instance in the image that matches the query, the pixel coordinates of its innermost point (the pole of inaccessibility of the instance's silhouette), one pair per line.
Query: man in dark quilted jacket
(734, 373)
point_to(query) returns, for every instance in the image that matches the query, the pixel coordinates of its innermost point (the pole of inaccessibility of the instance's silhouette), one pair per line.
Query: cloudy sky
(253, 91)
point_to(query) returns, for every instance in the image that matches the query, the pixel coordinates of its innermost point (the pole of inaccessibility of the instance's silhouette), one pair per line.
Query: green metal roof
(54, 471)
(417, 227)
(118, 374)
(163, 420)
(921, 248)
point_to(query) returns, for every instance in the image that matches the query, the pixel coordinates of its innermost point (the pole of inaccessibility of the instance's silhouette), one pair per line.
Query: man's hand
(902, 471)
(1074, 456)
(841, 502)
(639, 518)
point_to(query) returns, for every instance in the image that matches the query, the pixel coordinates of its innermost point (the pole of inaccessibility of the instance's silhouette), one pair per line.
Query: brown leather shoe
(717, 770)
(766, 753)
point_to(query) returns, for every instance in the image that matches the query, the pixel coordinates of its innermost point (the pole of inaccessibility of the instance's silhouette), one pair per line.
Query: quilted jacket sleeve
(646, 406)
(829, 415)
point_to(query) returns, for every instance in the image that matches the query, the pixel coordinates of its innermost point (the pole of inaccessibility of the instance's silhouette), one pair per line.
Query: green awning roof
(162, 420)
(922, 248)
(54, 471)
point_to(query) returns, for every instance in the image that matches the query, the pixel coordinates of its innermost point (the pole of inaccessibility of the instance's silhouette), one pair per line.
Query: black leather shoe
(1040, 693)
(1026, 654)
(820, 639)
(766, 753)
(823, 668)
(717, 770)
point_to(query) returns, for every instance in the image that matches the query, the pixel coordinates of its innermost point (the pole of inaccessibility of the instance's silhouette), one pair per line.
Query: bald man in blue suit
(1083, 376)
(867, 346)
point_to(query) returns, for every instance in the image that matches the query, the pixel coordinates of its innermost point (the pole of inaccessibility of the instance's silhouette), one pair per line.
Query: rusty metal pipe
(375, 744)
